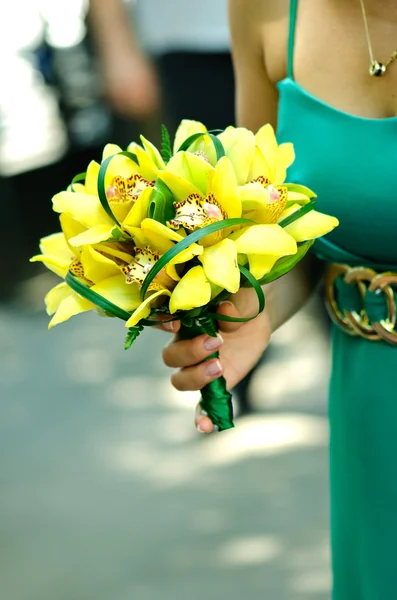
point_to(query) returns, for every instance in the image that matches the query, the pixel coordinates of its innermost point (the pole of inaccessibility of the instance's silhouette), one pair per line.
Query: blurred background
(107, 492)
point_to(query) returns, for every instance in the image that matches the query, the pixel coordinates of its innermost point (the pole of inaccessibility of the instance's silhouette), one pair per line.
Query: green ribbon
(216, 401)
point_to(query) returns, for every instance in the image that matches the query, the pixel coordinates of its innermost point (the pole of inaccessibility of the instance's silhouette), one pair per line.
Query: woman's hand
(240, 347)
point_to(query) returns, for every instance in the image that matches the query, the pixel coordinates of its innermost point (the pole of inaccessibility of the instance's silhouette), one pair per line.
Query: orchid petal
(96, 266)
(55, 296)
(145, 308)
(139, 210)
(84, 208)
(192, 291)
(150, 225)
(69, 307)
(97, 234)
(147, 166)
(260, 265)
(153, 153)
(239, 144)
(70, 227)
(192, 168)
(285, 158)
(259, 166)
(253, 196)
(179, 187)
(186, 129)
(266, 141)
(56, 245)
(116, 290)
(91, 179)
(270, 240)
(220, 265)
(110, 150)
(311, 226)
(120, 166)
(223, 185)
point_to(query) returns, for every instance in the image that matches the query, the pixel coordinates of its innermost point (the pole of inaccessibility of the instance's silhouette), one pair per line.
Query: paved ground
(108, 493)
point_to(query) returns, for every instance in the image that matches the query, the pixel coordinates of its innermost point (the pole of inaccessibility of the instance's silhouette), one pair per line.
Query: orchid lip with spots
(176, 231)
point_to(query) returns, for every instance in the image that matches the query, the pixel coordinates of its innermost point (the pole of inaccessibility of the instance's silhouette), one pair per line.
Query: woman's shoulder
(259, 11)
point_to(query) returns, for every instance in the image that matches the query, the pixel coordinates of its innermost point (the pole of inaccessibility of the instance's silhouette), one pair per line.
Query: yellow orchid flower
(312, 225)
(128, 189)
(186, 129)
(152, 240)
(95, 267)
(203, 147)
(262, 202)
(259, 164)
(219, 270)
(194, 207)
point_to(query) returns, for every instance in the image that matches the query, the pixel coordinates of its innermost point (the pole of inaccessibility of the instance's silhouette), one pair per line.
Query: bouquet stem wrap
(216, 401)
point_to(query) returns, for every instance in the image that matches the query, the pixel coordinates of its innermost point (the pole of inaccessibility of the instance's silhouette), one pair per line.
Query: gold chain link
(354, 323)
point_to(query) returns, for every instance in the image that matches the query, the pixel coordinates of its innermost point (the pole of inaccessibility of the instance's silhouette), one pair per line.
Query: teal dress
(351, 163)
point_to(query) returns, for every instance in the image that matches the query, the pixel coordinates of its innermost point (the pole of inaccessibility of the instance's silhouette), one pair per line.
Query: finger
(185, 353)
(168, 325)
(195, 378)
(202, 421)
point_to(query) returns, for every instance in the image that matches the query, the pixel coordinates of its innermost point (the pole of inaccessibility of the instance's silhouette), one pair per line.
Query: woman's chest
(331, 55)
(351, 165)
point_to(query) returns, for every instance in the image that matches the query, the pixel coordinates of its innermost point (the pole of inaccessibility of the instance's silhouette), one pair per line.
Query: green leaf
(161, 207)
(78, 179)
(132, 335)
(219, 149)
(185, 243)
(119, 236)
(301, 212)
(166, 150)
(101, 181)
(255, 284)
(286, 263)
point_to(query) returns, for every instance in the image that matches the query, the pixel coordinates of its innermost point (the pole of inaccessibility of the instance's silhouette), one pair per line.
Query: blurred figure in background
(52, 119)
(177, 50)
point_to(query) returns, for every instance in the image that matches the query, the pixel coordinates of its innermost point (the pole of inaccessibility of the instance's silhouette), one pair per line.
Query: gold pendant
(377, 69)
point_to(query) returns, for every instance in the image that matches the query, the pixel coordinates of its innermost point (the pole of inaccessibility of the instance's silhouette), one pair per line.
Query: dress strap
(291, 39)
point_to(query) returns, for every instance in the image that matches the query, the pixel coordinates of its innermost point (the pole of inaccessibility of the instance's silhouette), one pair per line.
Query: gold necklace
(376, 68)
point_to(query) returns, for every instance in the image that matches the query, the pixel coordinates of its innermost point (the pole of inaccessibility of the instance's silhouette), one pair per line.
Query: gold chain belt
(362, 302)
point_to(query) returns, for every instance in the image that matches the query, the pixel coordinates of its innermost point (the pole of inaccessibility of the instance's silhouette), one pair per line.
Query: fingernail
(199, 429)
(213, 368)
(169, 326)
(227, 302)
(213, 343)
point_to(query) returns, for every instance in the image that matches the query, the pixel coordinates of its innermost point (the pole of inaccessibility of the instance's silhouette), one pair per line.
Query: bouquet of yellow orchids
(149, 234)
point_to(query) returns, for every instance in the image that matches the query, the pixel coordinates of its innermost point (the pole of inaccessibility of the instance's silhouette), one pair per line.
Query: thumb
(244, 304)
(228, 309)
